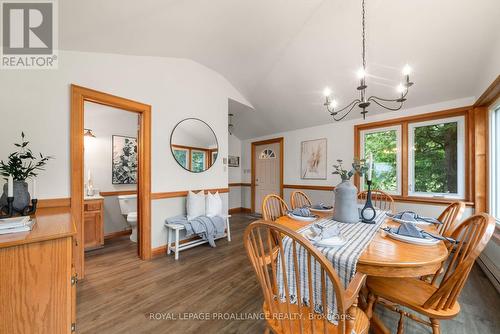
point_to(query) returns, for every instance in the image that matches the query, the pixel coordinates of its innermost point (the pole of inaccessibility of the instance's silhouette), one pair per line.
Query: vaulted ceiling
(281, 53)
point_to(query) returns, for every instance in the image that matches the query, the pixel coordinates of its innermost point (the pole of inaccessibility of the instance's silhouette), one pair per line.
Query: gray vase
(346, 203)
(21, 195)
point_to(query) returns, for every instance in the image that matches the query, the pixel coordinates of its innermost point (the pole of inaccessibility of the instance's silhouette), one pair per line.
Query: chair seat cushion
(409, 292)
(361, 324)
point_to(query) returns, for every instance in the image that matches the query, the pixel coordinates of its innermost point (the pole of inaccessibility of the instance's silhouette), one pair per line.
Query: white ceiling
(281, 53)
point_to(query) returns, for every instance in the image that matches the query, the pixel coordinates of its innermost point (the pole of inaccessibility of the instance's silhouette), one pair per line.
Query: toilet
(128, 207)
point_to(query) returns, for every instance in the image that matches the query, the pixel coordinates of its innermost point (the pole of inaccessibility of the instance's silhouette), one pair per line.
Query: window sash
(460, 120)
(188, 158)
(494, 157)
(363, 134)
(204, 160)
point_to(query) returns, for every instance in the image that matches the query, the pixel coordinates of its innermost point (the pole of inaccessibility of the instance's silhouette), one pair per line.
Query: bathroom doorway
(120, 167)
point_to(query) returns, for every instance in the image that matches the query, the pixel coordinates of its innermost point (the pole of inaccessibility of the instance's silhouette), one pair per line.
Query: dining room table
(387, 257)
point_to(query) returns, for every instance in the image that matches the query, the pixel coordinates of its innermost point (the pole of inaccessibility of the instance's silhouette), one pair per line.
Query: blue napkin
(410, 230)
(324, 232)
(321, 206)
(410, 216)
(302, 212)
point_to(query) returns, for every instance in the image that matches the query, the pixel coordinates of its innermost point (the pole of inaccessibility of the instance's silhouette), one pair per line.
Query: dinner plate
(420, 222)
(321, 210)
(303, 219)
(329, 242)
(411, 240)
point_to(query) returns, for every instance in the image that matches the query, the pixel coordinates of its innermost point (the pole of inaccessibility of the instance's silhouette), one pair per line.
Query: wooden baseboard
(54, 203)
(239, 210)
(117, 234)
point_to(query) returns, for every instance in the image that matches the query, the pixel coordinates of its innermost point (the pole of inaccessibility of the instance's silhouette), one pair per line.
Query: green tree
(383, 146)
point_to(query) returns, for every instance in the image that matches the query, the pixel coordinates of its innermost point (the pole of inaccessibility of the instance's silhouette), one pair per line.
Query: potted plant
(346, 194)
(22, 164)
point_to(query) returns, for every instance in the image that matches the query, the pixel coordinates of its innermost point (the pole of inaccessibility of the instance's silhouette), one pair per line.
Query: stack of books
(16, 225)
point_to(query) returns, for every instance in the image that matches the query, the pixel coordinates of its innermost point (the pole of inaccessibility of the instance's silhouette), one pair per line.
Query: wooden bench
(174, 229)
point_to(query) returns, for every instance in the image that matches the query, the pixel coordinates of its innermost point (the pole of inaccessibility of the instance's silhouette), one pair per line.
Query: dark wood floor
(120, 293)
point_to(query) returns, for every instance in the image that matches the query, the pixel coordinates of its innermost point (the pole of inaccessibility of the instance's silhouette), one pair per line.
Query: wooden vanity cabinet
(93, 220)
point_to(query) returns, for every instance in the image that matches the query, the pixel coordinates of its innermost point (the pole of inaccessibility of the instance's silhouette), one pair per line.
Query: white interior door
(267, 172)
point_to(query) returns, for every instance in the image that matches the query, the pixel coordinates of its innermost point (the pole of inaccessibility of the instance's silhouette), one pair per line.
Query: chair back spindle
(380, 200)
(273, 207)
(299, 199)
(450, 217)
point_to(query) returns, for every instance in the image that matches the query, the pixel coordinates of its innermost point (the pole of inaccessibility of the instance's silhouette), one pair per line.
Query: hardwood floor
(122, 294)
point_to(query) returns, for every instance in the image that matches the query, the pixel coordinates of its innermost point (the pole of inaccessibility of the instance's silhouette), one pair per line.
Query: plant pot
(21, 195)
(346, 203)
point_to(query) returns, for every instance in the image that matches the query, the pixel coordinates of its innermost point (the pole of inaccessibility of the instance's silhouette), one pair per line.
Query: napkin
(302, 212)
(410, 216)
(410, 230)
(322, 232)
(321, 206)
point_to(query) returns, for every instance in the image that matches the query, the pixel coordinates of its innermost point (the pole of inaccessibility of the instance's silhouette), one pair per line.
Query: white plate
(329, 242)
(302, 219)
(411, 240)
(321, 210)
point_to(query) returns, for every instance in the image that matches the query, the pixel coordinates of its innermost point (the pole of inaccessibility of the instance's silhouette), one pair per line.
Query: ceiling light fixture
(88, 133)
(363, 102)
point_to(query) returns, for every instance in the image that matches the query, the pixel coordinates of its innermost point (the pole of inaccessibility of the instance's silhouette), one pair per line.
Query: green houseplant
(22, 165)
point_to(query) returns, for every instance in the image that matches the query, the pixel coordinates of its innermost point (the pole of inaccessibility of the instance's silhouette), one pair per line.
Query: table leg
(176, 244)
(228, 230)
(168, 240)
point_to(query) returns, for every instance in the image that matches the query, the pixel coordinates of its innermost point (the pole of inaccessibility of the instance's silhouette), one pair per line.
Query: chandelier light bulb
(400, 88)
(406, 70)
(327, 92)
(361, 73)
(333, 104)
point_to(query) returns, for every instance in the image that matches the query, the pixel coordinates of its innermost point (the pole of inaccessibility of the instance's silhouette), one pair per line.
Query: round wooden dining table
(388, 257)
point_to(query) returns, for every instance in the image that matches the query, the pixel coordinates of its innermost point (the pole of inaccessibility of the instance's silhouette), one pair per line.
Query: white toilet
(128, 207)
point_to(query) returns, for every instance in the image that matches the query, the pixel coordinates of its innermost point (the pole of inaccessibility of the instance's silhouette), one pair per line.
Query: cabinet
(93, 221)
(37, 277)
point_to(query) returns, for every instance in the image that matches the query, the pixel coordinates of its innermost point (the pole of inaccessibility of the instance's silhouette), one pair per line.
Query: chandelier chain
(363, 11)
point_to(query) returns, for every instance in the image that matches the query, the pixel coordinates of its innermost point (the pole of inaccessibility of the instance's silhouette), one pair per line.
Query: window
(494, 198)
(181, 155)
(267, 154)
(198, 159)
(421, 158)
(384, 144)
(436, 158)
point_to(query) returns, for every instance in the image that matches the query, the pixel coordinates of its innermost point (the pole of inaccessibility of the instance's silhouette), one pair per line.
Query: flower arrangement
(359, 166)
(23, 164)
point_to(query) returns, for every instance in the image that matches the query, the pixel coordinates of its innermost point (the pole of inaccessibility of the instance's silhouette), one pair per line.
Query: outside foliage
(383, 146)
(436, 158)
(197, 161)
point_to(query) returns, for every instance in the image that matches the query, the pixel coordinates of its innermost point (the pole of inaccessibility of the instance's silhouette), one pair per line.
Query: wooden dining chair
(283, 316)
(450, 217)
(299, 199)
(273, 207)
(380, 200)
(433, 300)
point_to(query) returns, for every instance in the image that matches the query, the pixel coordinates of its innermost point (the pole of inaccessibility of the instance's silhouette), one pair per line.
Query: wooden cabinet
(93, 223)
(37, 280)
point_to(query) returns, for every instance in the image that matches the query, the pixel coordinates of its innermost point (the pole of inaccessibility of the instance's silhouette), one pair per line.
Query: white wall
(340, 145)
(105, 122)
(235, 195)
(38, 102)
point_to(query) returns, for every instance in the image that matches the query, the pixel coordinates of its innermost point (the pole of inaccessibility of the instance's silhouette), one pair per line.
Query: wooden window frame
(469, 141)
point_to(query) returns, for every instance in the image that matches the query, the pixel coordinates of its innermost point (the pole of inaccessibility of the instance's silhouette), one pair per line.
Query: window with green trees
(197, 161)
(437, 158)
(383, 144)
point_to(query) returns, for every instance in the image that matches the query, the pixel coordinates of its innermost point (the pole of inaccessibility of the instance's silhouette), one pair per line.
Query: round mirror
(194, 145)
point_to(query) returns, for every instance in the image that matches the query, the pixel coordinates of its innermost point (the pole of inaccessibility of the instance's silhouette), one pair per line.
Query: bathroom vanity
(93, 219)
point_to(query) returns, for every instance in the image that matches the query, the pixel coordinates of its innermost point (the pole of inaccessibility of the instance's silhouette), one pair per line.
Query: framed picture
(233, 161)
(313, 159)
(124, 160)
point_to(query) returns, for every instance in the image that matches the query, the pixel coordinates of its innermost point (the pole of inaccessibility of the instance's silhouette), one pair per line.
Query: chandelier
(363, 101)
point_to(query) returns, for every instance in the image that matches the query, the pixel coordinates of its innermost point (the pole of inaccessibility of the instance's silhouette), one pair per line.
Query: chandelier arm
(387, 107)
(346, 107)
(353, 104)
(373, 98)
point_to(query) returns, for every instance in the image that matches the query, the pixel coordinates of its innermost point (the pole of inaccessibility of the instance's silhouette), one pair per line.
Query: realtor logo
(28, 34)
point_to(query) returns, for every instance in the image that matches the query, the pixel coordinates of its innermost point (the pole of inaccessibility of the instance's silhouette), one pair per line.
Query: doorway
(267, 170)
(80, 95)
